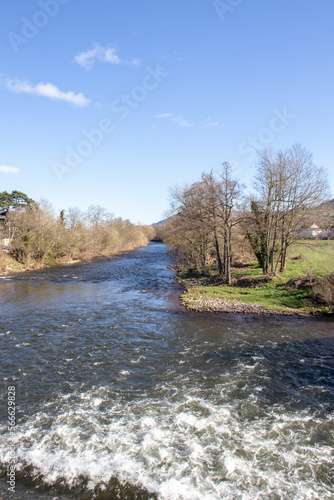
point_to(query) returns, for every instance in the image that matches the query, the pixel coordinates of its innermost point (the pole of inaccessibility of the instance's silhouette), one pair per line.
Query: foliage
(13, 200)
(40, 237)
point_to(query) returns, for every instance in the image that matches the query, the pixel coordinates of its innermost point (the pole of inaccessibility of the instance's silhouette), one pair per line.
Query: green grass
(268, 296)
(317, 259)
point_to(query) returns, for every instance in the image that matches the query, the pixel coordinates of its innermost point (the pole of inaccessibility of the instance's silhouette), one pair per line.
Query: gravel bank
(231, 306)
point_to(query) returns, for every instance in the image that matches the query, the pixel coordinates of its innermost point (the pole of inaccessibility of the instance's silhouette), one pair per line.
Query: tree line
(214, 218)
(34, 233)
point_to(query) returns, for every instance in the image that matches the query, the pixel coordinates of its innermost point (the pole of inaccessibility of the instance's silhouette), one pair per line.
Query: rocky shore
(231, 306)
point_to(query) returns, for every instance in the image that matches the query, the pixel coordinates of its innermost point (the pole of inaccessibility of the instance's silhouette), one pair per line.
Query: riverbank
(223, 305)
(291, 293)
(224, 299)
(8, 265)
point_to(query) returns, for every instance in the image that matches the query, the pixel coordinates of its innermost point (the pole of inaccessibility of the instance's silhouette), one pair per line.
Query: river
(122, 394)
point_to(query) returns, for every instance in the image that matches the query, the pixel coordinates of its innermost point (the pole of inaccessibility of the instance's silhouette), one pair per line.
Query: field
(291, 291)
(317, 257)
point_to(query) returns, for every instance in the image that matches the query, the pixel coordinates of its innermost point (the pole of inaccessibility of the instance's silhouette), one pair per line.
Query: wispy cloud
(135, 61)
(164, 115)
(182, 123)
(176, 119)
(88, 58)
(47, 90)
(4, 169)
(209, 123)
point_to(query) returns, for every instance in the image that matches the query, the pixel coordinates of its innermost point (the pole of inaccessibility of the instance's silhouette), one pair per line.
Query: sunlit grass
(317, 257)
(306, 258)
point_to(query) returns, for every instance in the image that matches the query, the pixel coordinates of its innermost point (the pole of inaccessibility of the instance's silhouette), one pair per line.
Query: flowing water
(122, 394)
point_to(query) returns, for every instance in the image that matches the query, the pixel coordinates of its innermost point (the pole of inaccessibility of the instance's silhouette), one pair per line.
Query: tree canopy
(13, 200)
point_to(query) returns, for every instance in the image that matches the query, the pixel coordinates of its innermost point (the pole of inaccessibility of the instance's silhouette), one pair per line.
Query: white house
(311, 232)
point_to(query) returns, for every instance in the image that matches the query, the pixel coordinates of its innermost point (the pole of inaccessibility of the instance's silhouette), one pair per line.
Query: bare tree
(39, 236)
(188, 232)
(211, 195)
(290, 189)
(306, 189)
(270, 181)
(205, 214)
(35, 234)
(230, 197)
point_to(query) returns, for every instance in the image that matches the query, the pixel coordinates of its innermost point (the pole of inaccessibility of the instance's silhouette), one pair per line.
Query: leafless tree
(290, 190)
(205, 214)
(230, 198)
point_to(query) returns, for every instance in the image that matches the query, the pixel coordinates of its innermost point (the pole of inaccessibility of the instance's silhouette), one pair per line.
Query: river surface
(122, 394)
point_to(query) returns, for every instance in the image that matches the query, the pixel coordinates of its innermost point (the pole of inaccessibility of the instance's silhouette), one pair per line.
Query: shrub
(324, 291)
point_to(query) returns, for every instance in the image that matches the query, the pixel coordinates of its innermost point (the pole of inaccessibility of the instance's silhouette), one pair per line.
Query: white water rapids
(121, 394)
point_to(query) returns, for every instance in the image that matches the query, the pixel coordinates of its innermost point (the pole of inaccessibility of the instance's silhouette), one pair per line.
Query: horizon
(142, 99)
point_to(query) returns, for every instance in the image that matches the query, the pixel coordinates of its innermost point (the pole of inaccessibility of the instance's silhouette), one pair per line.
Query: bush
(324, 291)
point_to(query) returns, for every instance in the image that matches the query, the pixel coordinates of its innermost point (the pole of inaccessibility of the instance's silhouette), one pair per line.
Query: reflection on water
(121, 391)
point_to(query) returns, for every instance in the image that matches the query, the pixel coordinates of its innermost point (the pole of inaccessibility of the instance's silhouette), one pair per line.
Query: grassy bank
(291, 292)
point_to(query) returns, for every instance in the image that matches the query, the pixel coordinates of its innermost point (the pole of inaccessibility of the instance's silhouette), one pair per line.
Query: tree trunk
(228, 270)
(283, 259)
(228, 257)
(219, 261)
(273, 249)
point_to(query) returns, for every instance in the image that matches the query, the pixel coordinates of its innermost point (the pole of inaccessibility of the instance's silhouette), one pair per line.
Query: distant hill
(158, 226)
(161, 222)
(330, 204)
(329, 208)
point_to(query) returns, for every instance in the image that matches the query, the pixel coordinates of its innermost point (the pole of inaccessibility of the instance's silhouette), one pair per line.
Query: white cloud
(135, 61)
(47, 90)
(88, 58)
(208, 123)
(164, 115)
(108, 55)
(182, 123)
(177, 119)
(4, 169)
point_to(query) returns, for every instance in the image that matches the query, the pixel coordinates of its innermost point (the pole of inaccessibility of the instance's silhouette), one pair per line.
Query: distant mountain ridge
(161, 222)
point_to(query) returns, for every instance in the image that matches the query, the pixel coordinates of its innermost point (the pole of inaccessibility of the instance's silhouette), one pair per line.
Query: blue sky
(113, 102)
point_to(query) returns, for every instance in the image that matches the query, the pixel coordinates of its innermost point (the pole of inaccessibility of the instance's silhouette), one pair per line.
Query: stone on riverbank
(231, 306)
